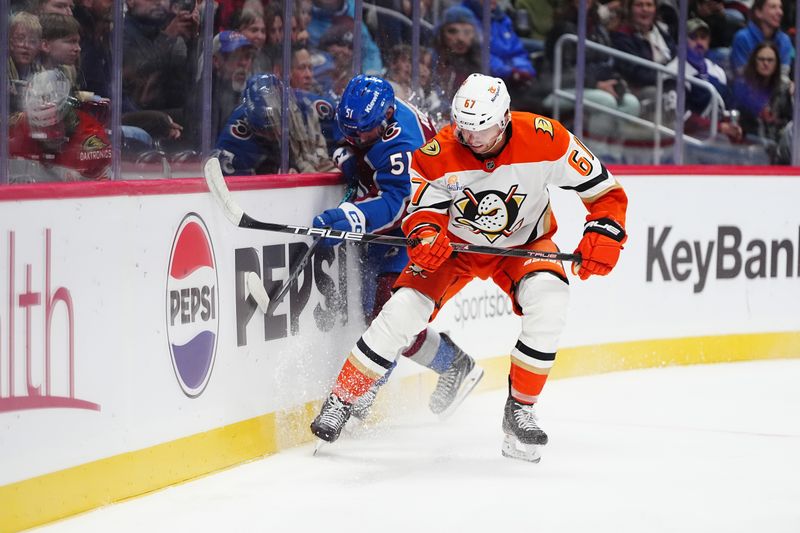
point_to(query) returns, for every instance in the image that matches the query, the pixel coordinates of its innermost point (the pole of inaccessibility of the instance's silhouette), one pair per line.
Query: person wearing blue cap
(233, 56)
(457, 50)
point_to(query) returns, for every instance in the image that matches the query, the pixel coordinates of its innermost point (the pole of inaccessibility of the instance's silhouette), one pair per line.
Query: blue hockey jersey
(382, 172)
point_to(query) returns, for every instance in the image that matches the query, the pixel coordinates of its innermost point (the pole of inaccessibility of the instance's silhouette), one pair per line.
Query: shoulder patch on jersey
(392, 131)
(542, 124)
(240, 129)
(432, 148)
(93, 143)
(324, 109)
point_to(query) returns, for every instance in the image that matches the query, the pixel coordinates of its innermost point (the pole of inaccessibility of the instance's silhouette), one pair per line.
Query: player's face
(366, 138)
(481, 142)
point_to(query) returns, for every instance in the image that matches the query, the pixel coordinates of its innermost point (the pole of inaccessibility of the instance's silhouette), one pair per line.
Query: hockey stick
(237, 216)
(255, 287)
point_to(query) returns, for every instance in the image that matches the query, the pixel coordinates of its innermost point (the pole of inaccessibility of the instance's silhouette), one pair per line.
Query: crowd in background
(60, 73)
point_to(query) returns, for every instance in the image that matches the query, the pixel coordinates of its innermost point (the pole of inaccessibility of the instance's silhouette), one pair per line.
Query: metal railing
(662, 72)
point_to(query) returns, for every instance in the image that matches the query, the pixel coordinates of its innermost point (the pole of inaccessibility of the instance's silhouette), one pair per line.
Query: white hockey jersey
(503, 201)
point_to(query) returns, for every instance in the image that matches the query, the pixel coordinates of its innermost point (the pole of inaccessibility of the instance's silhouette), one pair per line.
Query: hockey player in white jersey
(484, 180)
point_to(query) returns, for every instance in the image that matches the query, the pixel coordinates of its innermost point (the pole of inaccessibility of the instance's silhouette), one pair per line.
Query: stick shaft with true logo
(234, 213)
(255, 286)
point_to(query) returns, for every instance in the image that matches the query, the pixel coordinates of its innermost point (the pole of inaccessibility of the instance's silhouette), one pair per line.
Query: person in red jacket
(484, 180)
(53, 140)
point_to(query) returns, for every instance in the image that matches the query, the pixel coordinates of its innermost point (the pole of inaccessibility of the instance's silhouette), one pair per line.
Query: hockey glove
(599, 248)
(345, 160)
(346, 217)
(431, 249)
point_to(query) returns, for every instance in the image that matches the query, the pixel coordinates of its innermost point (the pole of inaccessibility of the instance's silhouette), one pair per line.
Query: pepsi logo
(192, 305)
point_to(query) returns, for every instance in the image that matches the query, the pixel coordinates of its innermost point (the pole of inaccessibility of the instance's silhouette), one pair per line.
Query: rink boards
(132, 359)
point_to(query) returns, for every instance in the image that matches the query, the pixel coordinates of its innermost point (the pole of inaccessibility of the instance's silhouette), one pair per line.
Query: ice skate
(523, 435)
(455, 383)
(331, 419)
(362, 407)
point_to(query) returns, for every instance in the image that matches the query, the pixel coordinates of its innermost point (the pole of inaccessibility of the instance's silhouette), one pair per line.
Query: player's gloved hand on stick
(599, 248)
(346, 217)
(345, 160)
(431, 249)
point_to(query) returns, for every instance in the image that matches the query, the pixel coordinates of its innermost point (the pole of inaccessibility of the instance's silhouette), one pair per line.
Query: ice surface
(687, 449)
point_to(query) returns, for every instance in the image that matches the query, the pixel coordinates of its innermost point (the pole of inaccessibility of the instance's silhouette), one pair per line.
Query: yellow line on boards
(57, 495)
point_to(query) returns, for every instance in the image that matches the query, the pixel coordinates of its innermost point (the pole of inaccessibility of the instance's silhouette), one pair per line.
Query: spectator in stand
(763, 97)
(700, 103)
(233, 57)
(642, 35)
(399, 76)
(299, 32)
(311, 118)
(51, 140)
(603, 84)
(94, 17)
(457, 50)
(323, 15)
(336, 47)
(764, 25)
(250, 142)
(273, 21)
(508, 59)
(24, 39)
(302, 12)
(721, 26)
(251, 25)
(698, 99)
(156, 67)
(61, 45)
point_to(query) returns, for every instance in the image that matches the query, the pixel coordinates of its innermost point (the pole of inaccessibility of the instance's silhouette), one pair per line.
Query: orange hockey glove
(599, 248)
(431, 249)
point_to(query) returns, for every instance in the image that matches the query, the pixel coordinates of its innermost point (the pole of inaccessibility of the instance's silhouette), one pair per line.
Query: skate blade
(470, 382)
(318, 446)
(514, 449)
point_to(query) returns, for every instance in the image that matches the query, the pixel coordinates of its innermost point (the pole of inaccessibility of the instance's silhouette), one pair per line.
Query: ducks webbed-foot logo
(490, 213)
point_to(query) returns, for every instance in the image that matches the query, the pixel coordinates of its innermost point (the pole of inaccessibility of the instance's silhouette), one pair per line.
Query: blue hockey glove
(346, 217)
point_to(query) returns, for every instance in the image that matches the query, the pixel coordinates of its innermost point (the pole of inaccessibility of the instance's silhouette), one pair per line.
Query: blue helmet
(262, 102)
(363, 106)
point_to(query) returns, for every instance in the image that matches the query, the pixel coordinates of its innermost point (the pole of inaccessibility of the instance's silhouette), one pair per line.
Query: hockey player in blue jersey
(381, 133)
(250, 141)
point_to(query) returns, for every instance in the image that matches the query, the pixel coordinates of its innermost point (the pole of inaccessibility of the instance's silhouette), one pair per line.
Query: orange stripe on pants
(351, 383)
(526, 382)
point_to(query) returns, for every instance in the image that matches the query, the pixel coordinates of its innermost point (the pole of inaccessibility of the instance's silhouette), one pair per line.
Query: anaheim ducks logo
(493, 214)
(542, 124)
(93, 143)
(431, 149)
